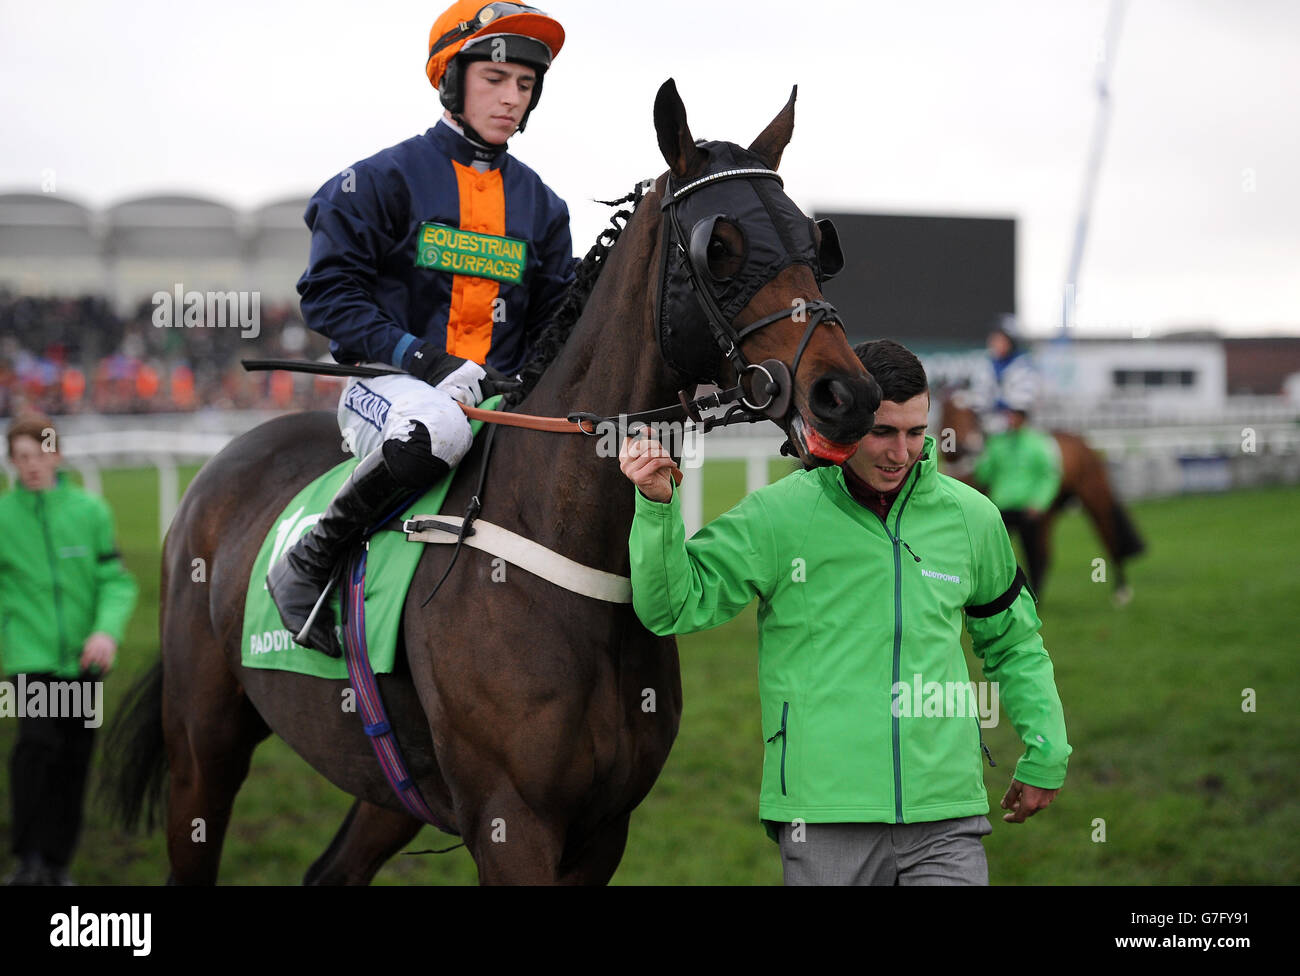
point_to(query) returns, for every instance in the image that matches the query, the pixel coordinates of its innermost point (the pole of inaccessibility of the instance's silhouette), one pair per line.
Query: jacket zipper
(895, 538)
(54, 573)
(980, 732)
(785, 711)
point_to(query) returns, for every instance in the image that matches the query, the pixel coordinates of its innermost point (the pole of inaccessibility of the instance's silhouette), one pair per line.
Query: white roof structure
(50, 244)
(278, 245)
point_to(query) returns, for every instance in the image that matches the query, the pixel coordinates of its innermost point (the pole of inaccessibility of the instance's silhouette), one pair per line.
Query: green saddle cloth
(266, 643)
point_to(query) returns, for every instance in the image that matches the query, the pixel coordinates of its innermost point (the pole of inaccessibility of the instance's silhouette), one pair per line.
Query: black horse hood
(776, 235)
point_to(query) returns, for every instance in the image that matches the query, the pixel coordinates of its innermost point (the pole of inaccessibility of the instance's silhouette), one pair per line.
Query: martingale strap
(995, 607)
(370, 706)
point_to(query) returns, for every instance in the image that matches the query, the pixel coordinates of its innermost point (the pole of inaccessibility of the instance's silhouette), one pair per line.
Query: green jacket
(61, 578)
(1022, 469)
(855, 619)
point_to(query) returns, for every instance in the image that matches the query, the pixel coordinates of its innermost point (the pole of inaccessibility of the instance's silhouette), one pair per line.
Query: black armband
(995, 607)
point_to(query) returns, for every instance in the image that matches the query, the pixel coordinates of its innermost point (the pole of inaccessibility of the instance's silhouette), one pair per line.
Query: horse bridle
(689, 254)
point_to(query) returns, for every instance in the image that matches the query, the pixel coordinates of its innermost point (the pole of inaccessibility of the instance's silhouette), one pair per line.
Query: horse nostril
(842, 398)
(842, 395)
(831, 398)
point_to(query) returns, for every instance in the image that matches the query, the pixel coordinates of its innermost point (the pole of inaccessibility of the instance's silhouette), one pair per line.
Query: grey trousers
(940, 852)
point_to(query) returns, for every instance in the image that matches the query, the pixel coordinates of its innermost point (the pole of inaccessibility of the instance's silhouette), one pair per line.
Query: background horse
(532, 719)
(1083, 476)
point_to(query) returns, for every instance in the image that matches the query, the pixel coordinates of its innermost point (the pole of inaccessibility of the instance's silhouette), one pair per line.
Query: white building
(1133, 380)
(50, 245)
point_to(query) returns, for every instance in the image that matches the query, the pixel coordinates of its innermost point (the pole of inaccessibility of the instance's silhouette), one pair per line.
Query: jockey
(1011, 375)
(442, 256)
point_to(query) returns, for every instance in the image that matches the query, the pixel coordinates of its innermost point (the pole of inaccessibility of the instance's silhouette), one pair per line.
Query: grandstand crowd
(63, 355)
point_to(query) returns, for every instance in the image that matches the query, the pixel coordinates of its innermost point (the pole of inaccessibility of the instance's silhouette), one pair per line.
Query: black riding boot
(298, 578)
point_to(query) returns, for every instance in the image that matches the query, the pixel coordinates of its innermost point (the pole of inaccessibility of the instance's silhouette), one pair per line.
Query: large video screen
(937, 280)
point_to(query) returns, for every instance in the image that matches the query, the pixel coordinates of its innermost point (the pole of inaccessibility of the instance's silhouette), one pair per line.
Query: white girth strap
(529, 555)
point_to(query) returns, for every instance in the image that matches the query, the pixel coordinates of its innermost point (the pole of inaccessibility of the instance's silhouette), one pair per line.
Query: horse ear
(773, 140)
(675, 140)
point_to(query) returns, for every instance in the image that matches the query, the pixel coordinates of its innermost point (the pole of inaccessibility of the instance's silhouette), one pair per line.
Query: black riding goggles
(486, 15)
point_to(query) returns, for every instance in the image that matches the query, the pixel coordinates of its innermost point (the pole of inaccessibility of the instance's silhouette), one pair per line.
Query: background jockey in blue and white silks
(1010, 377)
(1020, 466)
(443, 256)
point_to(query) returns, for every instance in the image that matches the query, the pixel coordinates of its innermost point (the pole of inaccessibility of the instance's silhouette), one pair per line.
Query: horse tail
(1128, 543)
(136, 764)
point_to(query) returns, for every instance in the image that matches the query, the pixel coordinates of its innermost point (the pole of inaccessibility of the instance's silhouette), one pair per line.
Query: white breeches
(382, 408)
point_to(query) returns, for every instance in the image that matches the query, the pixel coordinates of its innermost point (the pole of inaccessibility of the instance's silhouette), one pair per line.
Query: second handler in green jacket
(864, 575)
(65, 599)
(1021, 468)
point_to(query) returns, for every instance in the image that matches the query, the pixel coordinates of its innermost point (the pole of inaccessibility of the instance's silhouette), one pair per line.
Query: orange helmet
(471, 30)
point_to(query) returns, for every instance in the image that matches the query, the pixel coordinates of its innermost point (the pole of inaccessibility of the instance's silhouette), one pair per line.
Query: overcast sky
(965, 107)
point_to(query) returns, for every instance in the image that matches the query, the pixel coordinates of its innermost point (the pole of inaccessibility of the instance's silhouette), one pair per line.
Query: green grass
(1191, 788)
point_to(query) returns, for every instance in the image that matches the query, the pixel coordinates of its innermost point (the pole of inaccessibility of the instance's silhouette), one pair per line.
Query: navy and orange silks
(378, 281)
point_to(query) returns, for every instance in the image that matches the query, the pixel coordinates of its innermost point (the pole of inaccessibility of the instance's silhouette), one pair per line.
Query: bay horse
(520, 706)
(1083, 476)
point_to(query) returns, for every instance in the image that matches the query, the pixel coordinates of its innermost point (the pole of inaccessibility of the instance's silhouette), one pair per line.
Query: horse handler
(1021, 467)
(65, 599)
(443, 256)
(872, 771)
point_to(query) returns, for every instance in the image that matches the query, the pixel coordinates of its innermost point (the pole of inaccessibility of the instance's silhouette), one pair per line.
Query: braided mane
(553, 338)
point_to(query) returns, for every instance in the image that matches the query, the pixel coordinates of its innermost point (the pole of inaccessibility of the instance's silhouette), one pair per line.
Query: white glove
(462, 384)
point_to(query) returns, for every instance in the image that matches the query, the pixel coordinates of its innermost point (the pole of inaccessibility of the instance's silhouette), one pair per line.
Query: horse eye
(725, 252)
